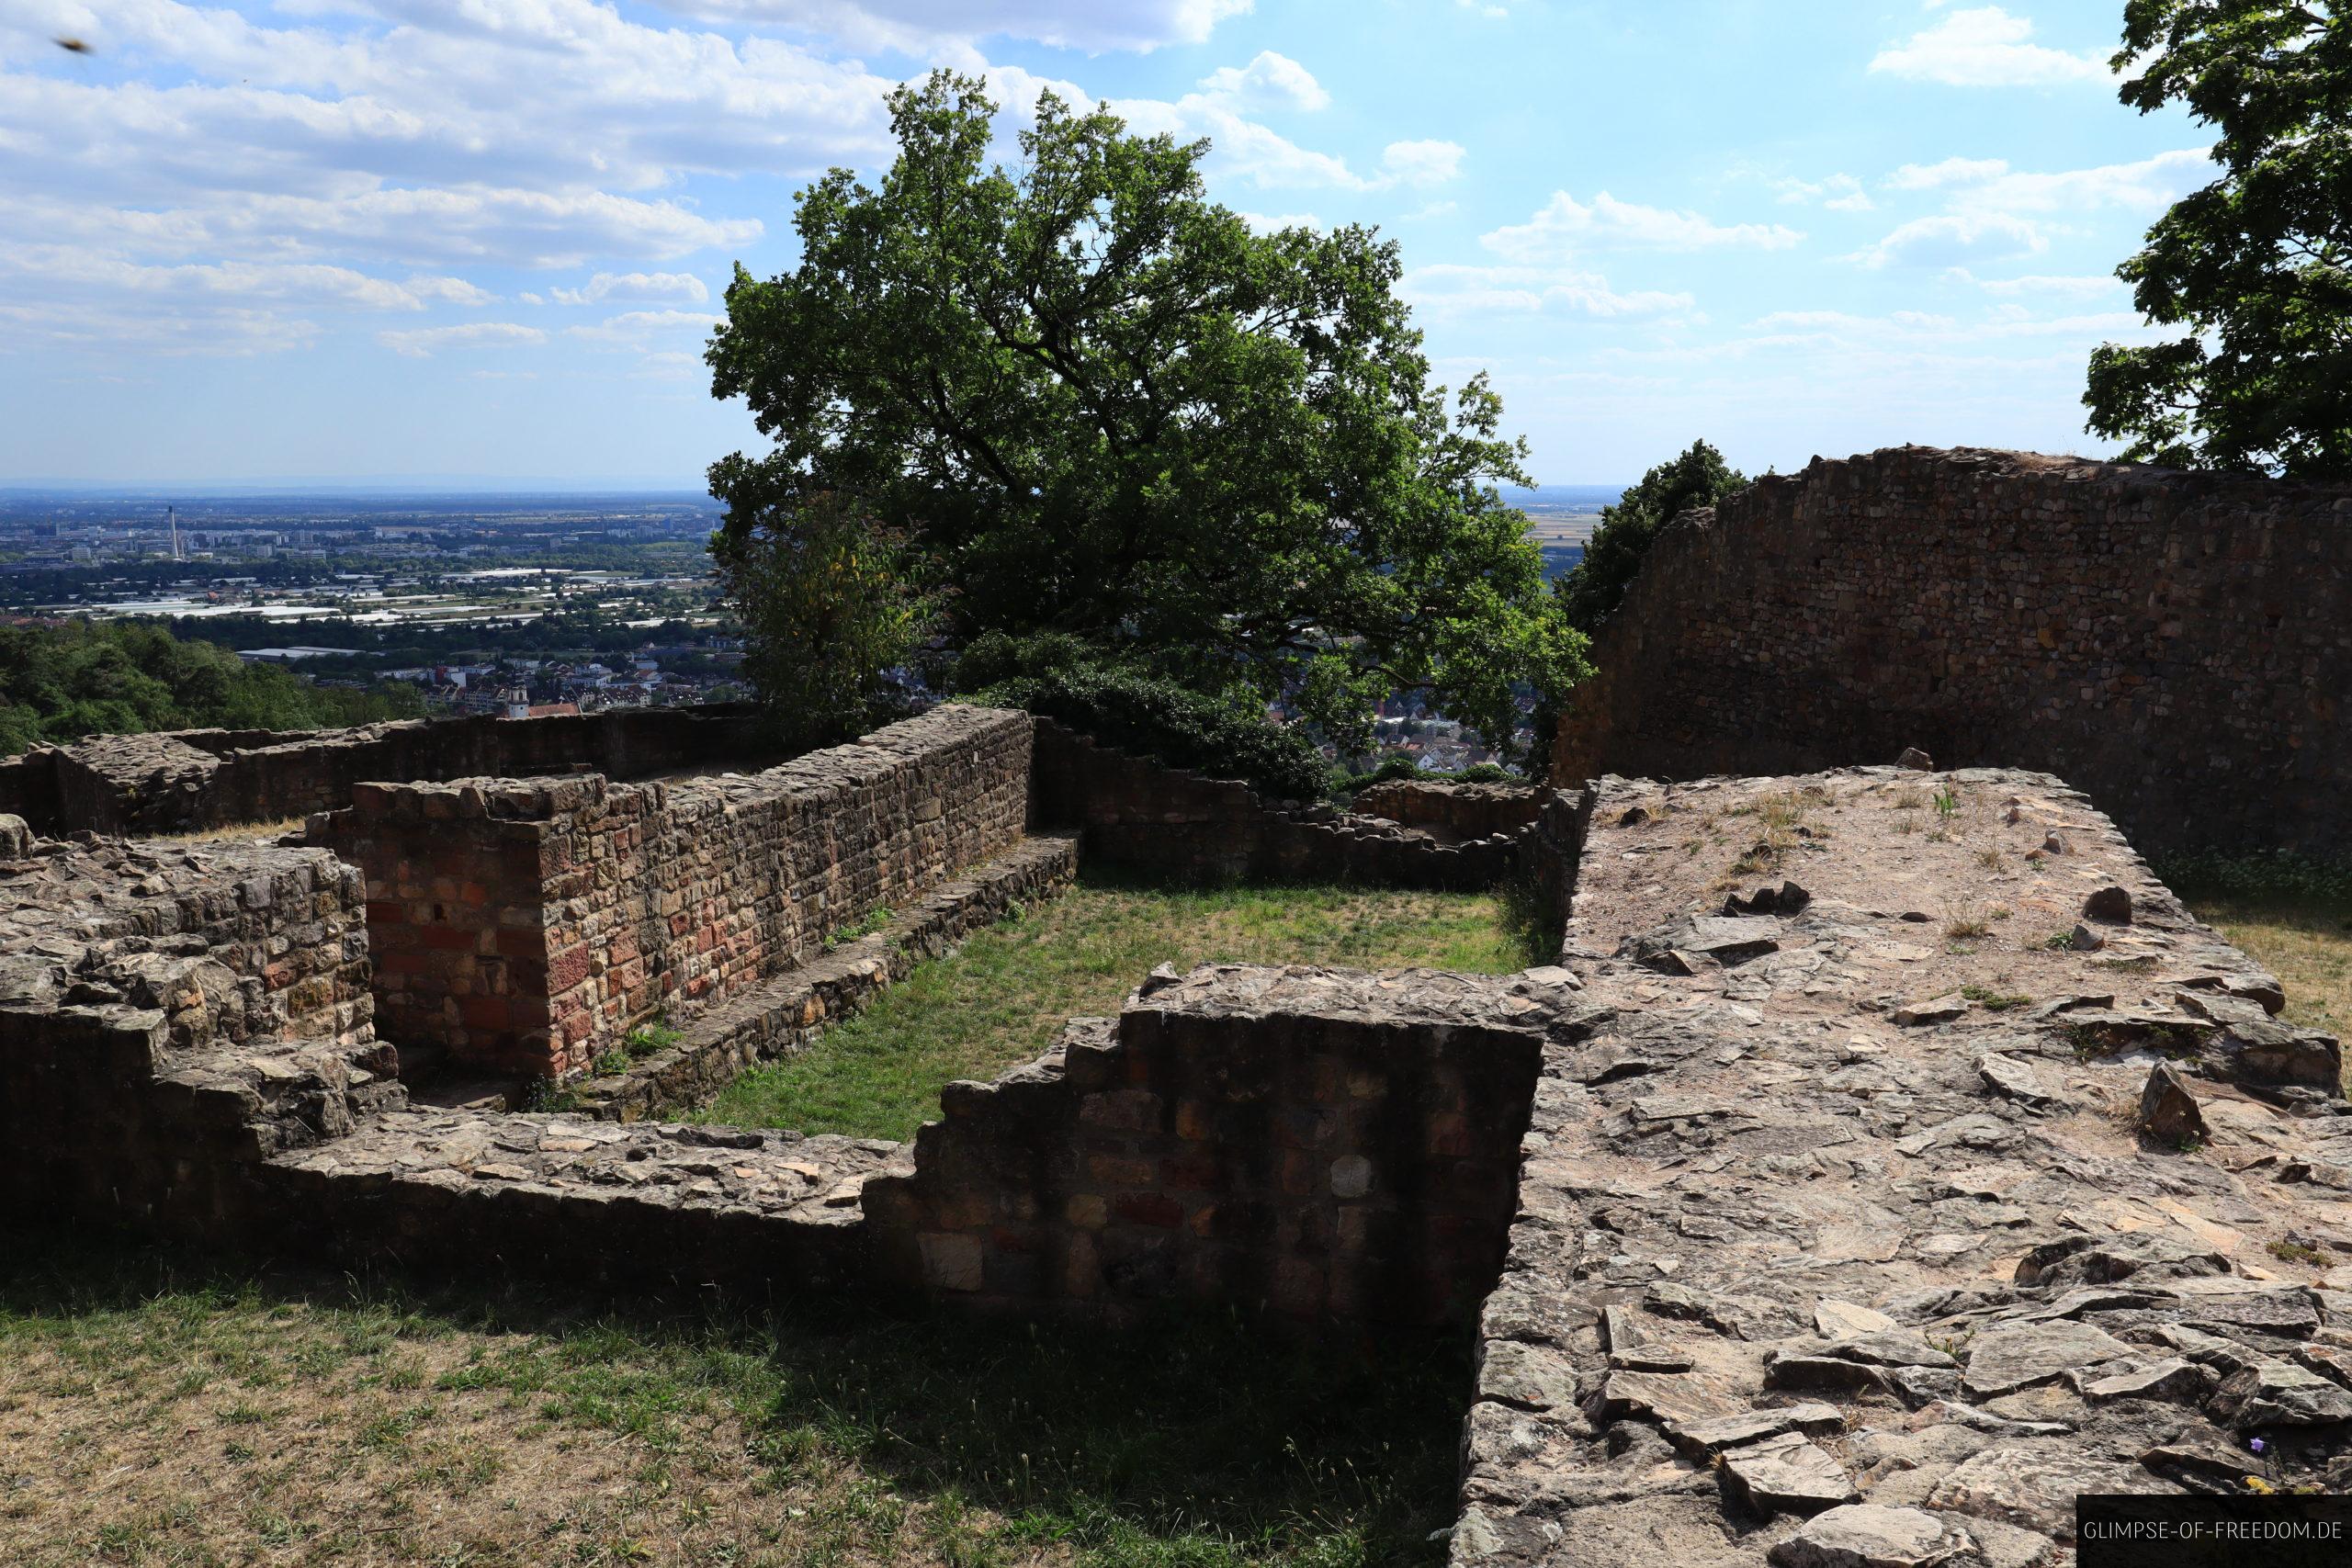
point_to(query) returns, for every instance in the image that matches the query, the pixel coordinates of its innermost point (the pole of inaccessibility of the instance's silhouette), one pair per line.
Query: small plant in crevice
(876, 918)
(2291, 1251)
(1993, 1000)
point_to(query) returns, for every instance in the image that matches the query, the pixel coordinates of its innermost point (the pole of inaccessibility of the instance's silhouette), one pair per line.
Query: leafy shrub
(1171, 725)
(1406, 768)
(2274, 877)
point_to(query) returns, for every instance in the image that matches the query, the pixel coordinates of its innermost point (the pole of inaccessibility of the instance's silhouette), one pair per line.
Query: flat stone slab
(785, 1176)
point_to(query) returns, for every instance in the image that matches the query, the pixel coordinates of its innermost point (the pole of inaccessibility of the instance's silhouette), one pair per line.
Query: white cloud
(1950, 239)
(422, 342)
(1268, 222)
(1838, 193)
(1242, 149)
(629, 287)
(1269, 82)
(2086, 287)
(635, 328)
(1423, 163)
(1450, 289)
(929, 27)
(1986, 47)
(2150, 185)
(1950, 172)
(1564, 221)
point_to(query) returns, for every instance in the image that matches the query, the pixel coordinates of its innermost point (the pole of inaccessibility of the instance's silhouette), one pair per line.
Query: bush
(1171, 725)
(1406, 768)
(60, 683)
(2274, 877)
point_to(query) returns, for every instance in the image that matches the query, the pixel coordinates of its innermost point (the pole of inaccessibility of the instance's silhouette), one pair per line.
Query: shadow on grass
(1192, 1443)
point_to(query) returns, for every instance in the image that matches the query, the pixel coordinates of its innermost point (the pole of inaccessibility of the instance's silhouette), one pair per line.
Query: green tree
(1590, 591)
(59, 683)
(825, 602)
(1091, 403)
(2257, 265)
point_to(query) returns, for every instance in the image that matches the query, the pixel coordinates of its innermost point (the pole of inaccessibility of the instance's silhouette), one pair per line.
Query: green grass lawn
(1002, 997)
(188, 1412)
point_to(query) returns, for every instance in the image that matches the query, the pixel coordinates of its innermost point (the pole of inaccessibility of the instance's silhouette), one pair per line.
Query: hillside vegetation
(59, 683)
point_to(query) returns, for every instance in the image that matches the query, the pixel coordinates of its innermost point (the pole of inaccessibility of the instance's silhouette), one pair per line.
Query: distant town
(514, 604)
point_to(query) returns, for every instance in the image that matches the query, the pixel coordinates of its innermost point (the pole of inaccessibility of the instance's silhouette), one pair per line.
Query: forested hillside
(61, 681)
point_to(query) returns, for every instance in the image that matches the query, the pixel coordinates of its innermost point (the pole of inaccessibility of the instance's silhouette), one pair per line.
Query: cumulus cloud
(1450, 289)
(632, 287)
(1421, 162)
(1948, 172)
(634, 326)
(927, 27)
(1269, 82)
(2045, 285)
(1243, 149)
(422, 342)
(1838, 193)
(219, 154)
(1563, 222)
(1986, 47)
(2150, 185)
(1950, 239)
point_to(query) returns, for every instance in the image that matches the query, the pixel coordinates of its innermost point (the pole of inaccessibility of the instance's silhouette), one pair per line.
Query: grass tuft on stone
(1002, 997)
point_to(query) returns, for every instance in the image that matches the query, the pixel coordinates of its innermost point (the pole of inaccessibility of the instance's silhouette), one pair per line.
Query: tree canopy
(2257, 265)
(1078, 398)
(60, 683)
(1590, 591)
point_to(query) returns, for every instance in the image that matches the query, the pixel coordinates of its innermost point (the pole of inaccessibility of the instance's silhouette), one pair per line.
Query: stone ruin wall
(2179, 646)
(195, 779)
(1326, 1146)
(1458, 810)
(1169, 822)
(528, 925)
(169, 1016)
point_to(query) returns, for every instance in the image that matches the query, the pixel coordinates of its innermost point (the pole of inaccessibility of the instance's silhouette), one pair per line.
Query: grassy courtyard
(1001, 998)
(189, 1413)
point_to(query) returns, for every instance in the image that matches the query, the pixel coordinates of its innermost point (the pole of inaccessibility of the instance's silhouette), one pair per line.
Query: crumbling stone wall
(170, 1015)
(526, 924)
(195, 779)
(1173, 823)
(1456, 810)
(2177, 645)
(1324, 1143)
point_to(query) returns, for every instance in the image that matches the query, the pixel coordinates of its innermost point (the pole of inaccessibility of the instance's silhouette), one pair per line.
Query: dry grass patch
(151, 1415)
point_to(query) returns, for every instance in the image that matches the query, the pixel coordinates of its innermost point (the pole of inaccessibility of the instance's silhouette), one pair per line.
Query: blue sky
(371, 238)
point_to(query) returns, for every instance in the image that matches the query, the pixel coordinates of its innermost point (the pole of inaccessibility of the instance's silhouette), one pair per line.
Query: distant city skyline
(398, 243)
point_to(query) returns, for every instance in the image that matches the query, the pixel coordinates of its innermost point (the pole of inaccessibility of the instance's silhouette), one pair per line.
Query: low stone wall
(785, 1015)
(1320, 1143)
(1169, 822)
(1457, 810)
(170, 1015)
(2179, 644)
(191, 779)
(528, 925)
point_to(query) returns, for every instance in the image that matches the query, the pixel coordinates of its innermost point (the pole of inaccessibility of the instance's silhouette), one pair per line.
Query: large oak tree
(2257, 265)
(1080, 398)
